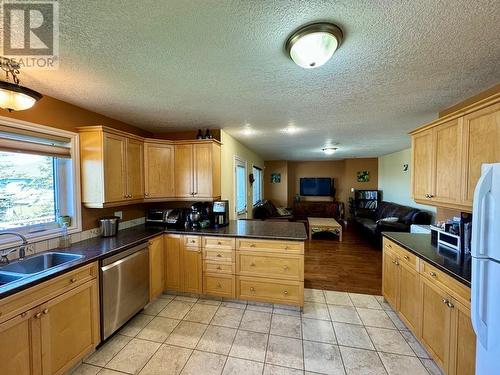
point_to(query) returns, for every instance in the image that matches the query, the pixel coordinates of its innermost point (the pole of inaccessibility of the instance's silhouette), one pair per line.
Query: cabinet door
(173, 262)
(115, 181)
(422, 151)
(409, 296)
(202, 157)
(69, 328)
(19, 352)
(447, 171)
(159, 170)
(463, 347)
(184, 187)
(192, 270)
(135, 169)
(390, 277)
(481, 145)
(156, 267)
(436, 322)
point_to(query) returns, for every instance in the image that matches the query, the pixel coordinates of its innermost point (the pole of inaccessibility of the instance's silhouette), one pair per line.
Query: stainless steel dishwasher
(124, 287)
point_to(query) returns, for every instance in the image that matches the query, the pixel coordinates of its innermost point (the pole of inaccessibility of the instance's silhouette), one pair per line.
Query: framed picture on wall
(363, 176)
(275, 178)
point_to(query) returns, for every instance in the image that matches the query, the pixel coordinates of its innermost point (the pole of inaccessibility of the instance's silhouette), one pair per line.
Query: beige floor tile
(186, 334)
(238, 366)
(318, 330)
(314, 295)
(352, 335)
(104, 354)
(279, 370)
(201, 313)
(86, 369)
(364, 300)
(344, 314)
(337, 298)
(154, 307)
(256, 321)
(396, 321)
(285, 351)
(314, 310)
(254, 306)
(389, 341)
(134, 326)
(158, 329)
(415, 345)
(217, 340)
(249, 345)
(210, 301)
(107, 371)
(204, 363)
(431, 366)
(361, 362)
(375, 318)
(168, 360)
(401, 364)
(289, 326)
(227, 317)
(166, 296)
(322, 358)
(289, 312)
(132, 358)
(186, 299)
(235, 304)
(176, 309)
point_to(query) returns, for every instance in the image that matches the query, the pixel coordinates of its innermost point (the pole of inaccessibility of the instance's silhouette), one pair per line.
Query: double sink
(27, 267)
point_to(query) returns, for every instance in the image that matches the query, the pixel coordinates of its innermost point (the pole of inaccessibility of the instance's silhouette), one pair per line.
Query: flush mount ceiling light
(329, 150)
(313, 45)
(14, 97)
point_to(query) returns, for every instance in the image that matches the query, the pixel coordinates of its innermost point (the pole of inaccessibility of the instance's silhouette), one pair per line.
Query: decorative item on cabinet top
(120, 168)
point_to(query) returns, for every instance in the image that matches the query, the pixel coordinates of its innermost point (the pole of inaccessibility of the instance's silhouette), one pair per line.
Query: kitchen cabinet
(463, 341)
(183, 264)
(173, 262)
(112, 167)
(159, 169)
(390, 277)
(156, 267)
(409, 301)
(421, 148)
(192, 270)
(197, 170)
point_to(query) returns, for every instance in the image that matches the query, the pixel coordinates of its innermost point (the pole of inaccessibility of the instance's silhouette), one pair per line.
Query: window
(257, 185)
(38, 180)
(240, 174)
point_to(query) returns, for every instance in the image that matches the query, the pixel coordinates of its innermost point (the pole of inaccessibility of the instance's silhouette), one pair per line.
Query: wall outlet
(119, 214)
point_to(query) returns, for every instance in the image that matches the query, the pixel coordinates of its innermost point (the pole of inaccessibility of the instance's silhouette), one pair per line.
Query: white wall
(394, 182)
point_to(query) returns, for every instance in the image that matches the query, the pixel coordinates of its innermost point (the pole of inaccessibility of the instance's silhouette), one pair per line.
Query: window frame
(34, 233)
(238, 161)
(260, 182)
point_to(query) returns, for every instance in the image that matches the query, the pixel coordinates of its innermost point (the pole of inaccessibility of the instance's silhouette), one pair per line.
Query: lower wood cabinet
(192, 270)
(173, 262)
(156, 267)
(183, 264)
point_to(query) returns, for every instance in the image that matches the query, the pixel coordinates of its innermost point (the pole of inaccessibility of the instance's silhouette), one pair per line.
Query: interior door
(447, 175)
(390, 278)
(173, 262)
(159, 170)
(184, 184)
(202, 156)
(115, 181)
(156, 267)
(192, 265)
(409, 296)
(135, 169)
(422, 163)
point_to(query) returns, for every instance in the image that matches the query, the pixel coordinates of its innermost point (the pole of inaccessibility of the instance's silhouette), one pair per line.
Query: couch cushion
(367, 223)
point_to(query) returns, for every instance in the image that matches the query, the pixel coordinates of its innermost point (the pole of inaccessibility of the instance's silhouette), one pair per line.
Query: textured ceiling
(166, 65)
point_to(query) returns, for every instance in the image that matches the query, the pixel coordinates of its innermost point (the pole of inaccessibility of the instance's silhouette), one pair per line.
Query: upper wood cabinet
(159, 169)
(447, 155)
(112, 167)
(197, 170)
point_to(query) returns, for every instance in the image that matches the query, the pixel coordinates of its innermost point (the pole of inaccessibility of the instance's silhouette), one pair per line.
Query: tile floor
(336, 333)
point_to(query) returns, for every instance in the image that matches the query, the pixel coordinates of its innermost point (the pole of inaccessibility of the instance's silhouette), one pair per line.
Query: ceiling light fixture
(313, 45)
(247, 130)
(329, 150)
(14, 97)
(290, 129)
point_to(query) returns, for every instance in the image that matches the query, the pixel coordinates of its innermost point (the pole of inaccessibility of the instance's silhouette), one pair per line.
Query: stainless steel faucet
(22, 248)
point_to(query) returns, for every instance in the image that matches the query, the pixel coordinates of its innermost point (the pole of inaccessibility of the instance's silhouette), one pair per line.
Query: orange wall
(58, 114)
(278, 193)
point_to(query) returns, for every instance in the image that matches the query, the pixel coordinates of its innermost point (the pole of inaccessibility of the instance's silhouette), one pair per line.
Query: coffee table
(322, 224)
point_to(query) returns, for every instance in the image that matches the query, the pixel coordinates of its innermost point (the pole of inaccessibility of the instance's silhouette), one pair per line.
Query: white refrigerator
(485, 249)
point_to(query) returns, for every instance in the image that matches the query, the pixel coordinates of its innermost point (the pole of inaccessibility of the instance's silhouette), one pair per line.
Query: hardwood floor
(353, 265)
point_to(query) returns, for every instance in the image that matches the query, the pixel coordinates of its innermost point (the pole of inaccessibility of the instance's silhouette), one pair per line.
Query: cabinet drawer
(218, 243)
(441, 279)
(218, 255)
(36, 295)
(219, 285)
(192, 241)
(269, 290)
(270, 245)
(270, 265)
(402, 254)
(210, 266)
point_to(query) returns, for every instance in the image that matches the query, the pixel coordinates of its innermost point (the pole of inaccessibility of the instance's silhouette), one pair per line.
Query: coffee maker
(220, 212)
(199, 215)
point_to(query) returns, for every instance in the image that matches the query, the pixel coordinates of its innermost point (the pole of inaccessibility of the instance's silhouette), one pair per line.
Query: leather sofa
(266, 210)
(372, 223)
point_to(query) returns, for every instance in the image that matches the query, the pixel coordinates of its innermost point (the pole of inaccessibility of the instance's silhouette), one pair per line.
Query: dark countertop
(439, 256)
(98, 248)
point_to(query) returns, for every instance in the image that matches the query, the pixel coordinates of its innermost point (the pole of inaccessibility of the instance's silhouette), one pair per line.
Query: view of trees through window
(27, 190)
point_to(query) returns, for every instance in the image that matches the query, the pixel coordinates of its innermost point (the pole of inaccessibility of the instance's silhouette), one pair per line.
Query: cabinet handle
(252, 245)
(445, 301)
(219, 286)
(38, 315)
(395, 262)
(285, 292)
(450, 305)
(433, 274)
(431, 196)
(219, 243)
(252, 289)
(192, 241)
(150, 243)
(45, 311)
(252, 264)
(286, 268)
(73, 280)
(24, 314)
(219, 267)
(406, 257)
(286, 247)
(219, 255)
(389, 246)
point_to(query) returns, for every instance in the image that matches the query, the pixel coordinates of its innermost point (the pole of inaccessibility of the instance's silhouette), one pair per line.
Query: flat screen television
(315, 186)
